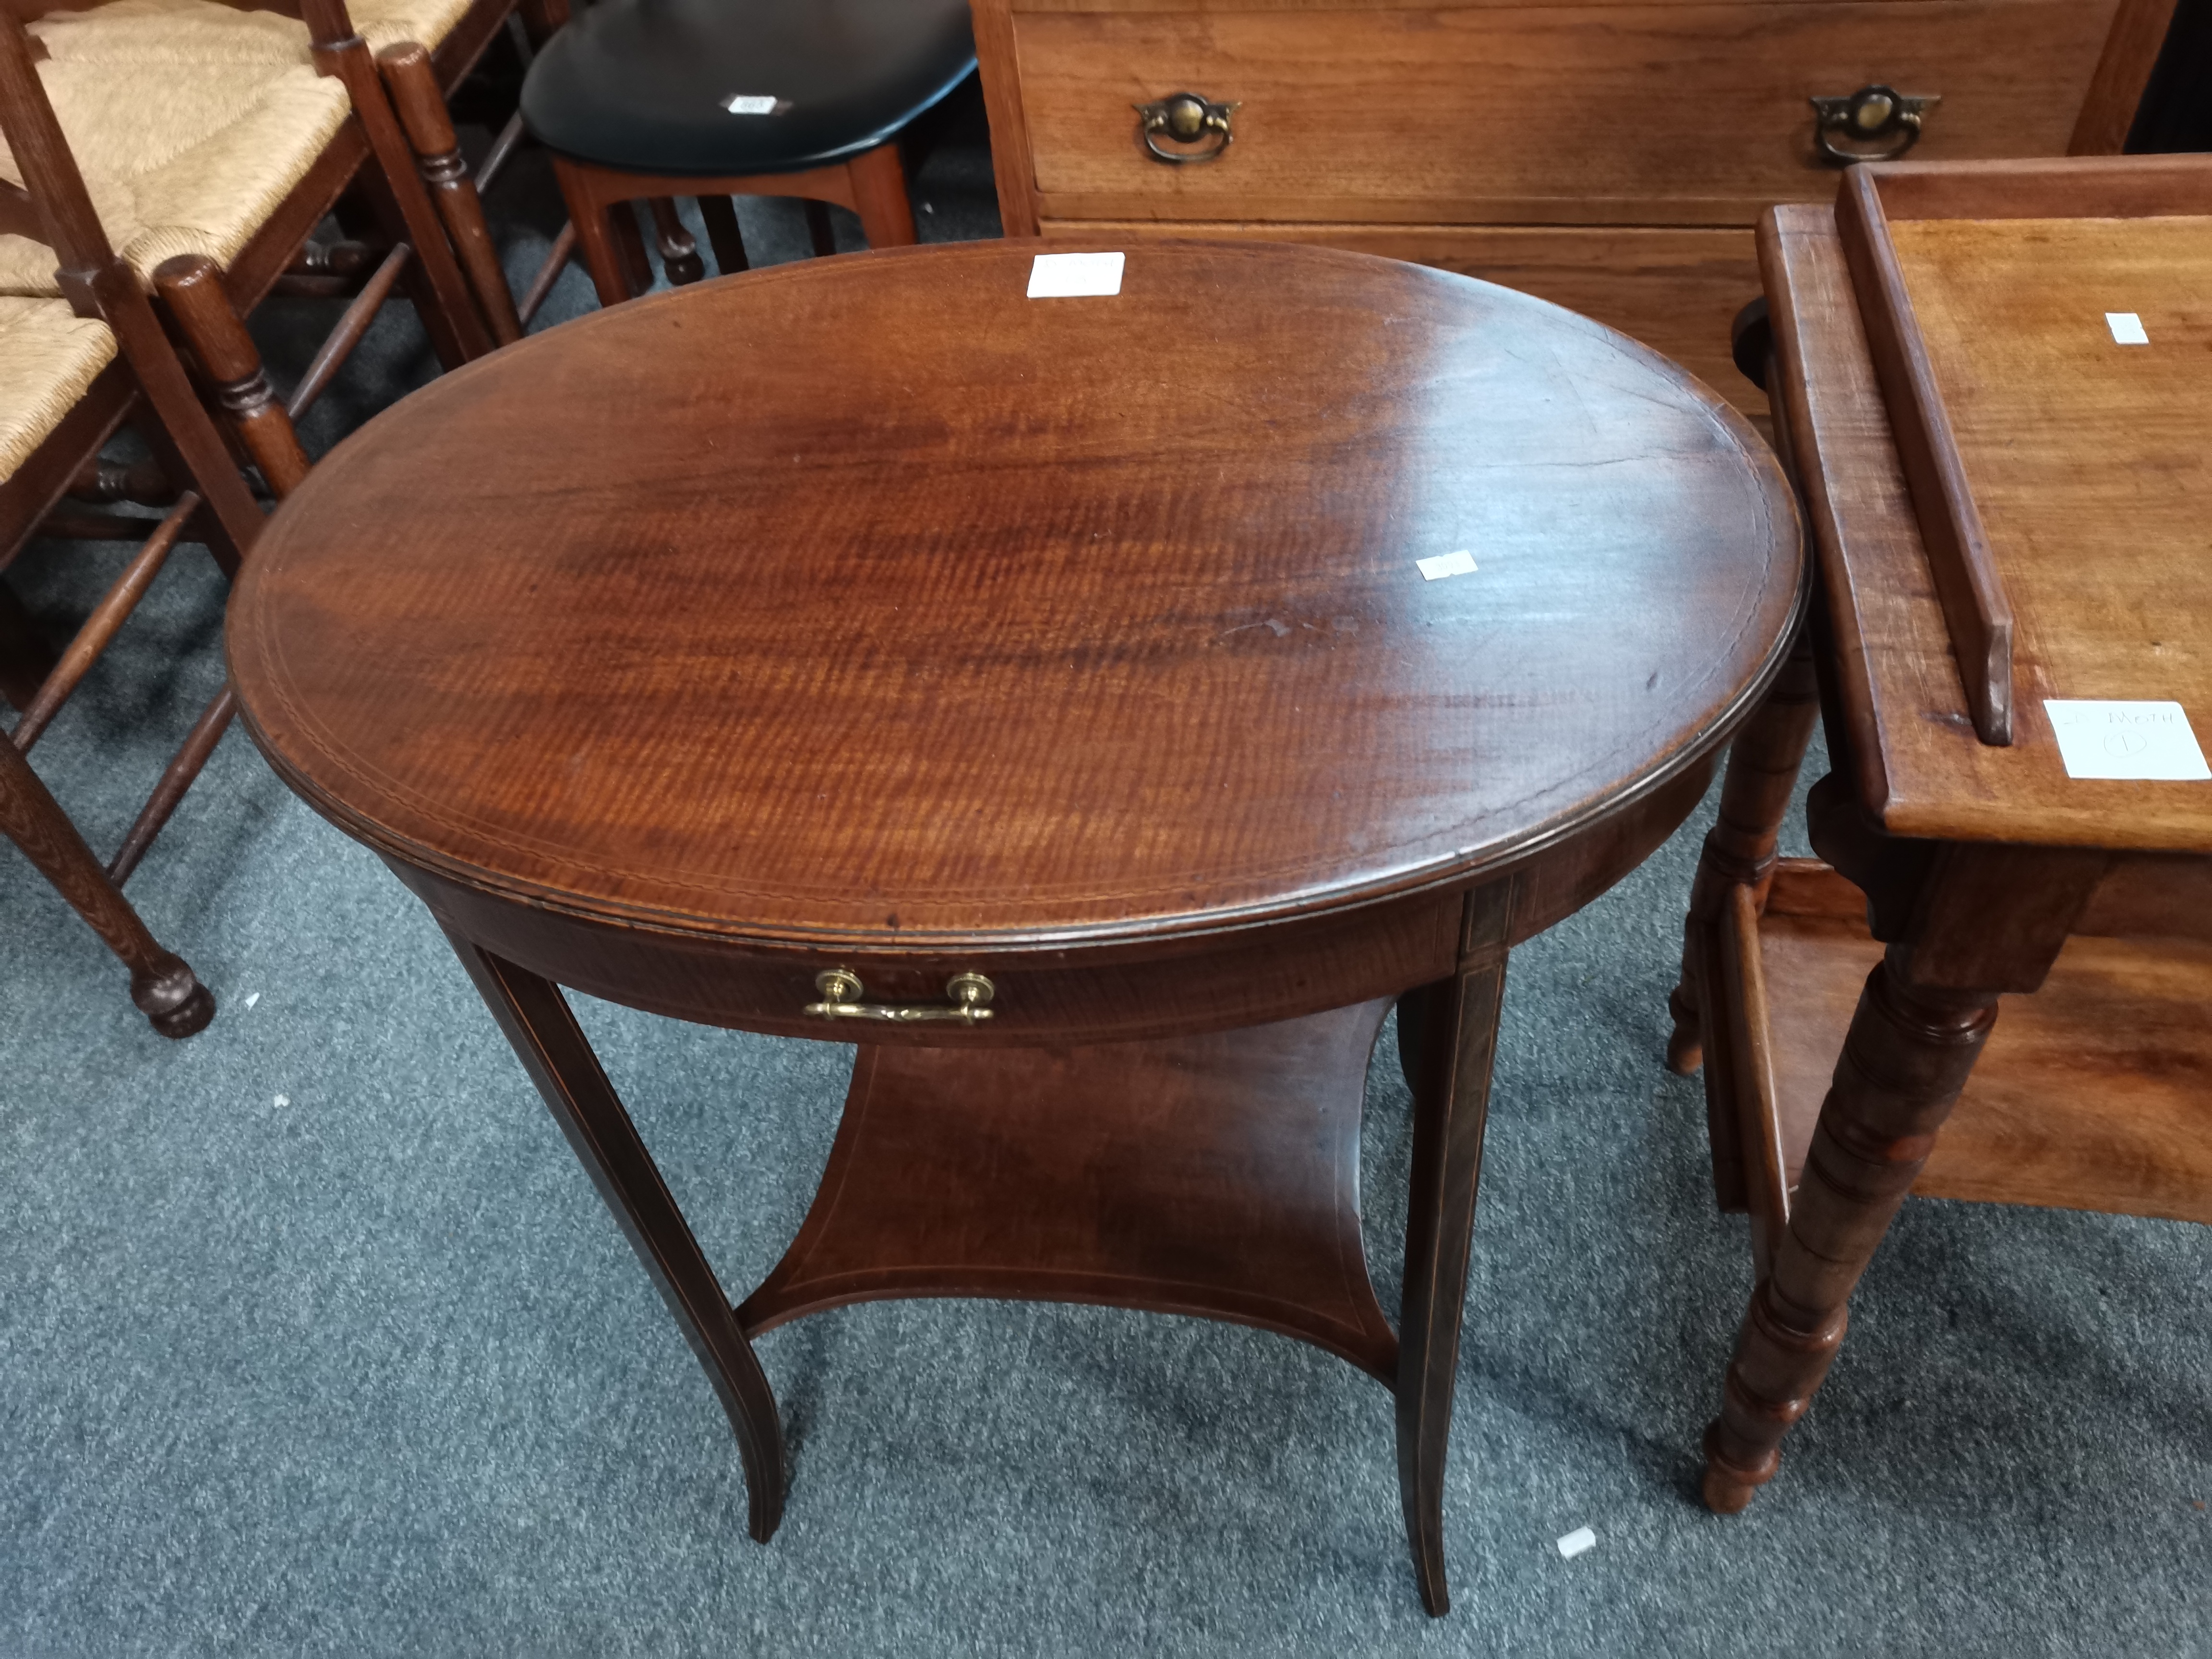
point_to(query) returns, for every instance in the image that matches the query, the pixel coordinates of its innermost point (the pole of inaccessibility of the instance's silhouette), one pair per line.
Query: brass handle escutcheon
(842, 990)
(1875, 115)
(1187, 119)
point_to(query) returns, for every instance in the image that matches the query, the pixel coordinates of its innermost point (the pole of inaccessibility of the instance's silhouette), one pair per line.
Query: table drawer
(1656, 113)
(1676, 290)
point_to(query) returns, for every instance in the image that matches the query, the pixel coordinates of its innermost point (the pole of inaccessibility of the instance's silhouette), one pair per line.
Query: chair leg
(162, 984)
(818, 228)
(26, 659)
(679, 252)
(450, 314)
(720, 214)
(879, 197)
(594, 227)
(413, 87)
(191, 287)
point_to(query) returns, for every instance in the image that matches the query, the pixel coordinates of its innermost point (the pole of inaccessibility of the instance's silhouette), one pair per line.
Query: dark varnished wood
(537, 1021)
(1216, 1176)
(1957, 872)
(1186, 551)
(865, 614)
(873, 185)
(162, 983)
(1458, 1023)
(413, 81)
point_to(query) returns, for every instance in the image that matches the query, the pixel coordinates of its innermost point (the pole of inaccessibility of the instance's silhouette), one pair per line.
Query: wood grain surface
(2094, 1093)
(1673, 289)
(869, 603)
(1666, 114)
(2099, 628)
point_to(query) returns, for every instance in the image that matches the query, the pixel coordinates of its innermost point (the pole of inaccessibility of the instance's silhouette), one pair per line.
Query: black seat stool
(651, 100)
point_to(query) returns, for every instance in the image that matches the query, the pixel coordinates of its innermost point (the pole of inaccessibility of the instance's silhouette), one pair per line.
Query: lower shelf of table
(1216, 1174)
(2095, 1093)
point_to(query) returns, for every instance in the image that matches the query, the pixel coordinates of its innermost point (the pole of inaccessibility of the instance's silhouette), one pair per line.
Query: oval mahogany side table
(1046, 694)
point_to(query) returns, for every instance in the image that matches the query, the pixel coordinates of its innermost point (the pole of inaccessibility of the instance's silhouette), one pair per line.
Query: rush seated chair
(651, 100)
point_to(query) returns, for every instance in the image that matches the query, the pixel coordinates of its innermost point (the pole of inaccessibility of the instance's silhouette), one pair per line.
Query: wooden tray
(2043, 456)
(2095, 1093)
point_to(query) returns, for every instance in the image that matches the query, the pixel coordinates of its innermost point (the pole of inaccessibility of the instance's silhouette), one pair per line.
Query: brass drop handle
(1876, 115)
(842, 990)
(1187, 119)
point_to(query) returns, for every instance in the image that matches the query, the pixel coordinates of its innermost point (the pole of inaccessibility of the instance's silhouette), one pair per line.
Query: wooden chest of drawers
(1613, 158)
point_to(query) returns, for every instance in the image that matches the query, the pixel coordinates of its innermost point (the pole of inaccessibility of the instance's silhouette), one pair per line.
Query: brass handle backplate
(1186, 119)
(841, 991)
(1878, 116)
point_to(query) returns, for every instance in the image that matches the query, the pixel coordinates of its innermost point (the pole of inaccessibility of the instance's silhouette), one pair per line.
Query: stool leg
(679, 252)
(1457, 1025)
(163, 986)
(720, 214)
(593, 224)
(538, 1022)
(879, 196)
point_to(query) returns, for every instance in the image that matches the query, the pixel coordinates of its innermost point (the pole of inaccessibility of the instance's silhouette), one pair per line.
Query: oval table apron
(1049, 694)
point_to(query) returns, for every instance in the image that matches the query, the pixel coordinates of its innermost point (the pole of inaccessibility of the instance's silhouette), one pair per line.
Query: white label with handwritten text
(2098, 739)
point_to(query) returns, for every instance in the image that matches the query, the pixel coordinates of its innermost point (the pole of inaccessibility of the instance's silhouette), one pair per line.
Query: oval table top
(868, 601)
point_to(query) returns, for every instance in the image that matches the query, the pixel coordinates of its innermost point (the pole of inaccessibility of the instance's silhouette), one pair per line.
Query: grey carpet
(314, 1339)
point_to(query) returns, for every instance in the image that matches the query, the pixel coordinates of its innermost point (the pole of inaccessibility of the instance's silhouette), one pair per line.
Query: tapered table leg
(1455, 1024)
(539, 1023)
(162, 984)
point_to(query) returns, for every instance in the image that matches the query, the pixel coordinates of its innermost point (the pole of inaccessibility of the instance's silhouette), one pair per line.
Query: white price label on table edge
(1074, 276)
(2101, 738)
(1460, 563)
(2127, 328)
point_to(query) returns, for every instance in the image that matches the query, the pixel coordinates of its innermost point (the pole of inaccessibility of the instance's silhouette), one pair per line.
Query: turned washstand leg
(1455, 1023)
(163, 986)
(1976, 921)
(1905, 1058)
(1740, 849)
(538, 1022)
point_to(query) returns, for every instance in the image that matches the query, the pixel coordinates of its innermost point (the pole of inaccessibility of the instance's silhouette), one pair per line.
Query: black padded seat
(646, 86)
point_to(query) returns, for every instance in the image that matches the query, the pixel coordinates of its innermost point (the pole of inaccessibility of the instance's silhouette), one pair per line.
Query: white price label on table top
(1072, 276)
(2127, 328)
(2106, 740)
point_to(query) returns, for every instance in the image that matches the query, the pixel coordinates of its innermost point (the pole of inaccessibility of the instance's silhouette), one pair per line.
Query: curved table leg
(539, 1023)
(1455, 1024)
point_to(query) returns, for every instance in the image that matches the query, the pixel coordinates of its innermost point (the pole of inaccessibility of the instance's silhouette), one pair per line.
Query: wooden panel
(1657, 113)
(1675, 290)
(2095, 1093)
(2090, 462)
(1917, 763)
(1216, 1177)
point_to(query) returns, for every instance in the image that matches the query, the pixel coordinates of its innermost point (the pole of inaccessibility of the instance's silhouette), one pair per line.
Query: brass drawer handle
(1187, 119)
(841, 999)
(1872, 115)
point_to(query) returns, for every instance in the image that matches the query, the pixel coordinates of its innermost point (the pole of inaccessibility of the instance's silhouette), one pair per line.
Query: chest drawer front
(1680, 113)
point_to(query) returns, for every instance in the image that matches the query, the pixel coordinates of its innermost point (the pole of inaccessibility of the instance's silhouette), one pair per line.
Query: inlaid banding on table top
(739, 670)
